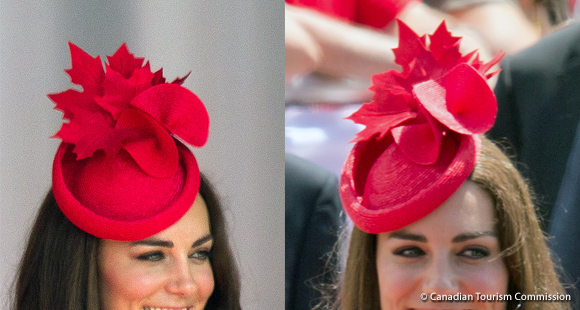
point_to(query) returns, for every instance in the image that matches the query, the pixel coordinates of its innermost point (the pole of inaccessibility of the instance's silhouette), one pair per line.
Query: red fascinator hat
(119, 173)
(421, 139)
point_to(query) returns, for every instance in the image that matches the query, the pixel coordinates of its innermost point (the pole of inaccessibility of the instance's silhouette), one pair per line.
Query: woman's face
(170, 270)
(452, 250)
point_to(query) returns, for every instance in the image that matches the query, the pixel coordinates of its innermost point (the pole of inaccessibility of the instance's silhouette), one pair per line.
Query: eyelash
(414, 252)
(203, 255)
(404, 252)
(151, 256)
(483, 252)
(199, 255)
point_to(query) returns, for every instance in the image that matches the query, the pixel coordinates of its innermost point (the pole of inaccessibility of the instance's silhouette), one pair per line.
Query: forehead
(193, 225)
(470, 208)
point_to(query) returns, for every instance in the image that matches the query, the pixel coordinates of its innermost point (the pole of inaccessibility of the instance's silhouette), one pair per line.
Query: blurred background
(234, 50)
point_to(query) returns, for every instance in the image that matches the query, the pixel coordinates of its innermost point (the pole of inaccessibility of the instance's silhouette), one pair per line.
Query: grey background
(235, 52)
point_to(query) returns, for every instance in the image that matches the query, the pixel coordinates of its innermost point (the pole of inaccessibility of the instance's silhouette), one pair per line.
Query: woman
(437, 208)
(130, 222)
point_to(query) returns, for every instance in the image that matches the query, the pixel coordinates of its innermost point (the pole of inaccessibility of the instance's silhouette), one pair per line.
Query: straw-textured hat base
(112, 198)
(395, 192)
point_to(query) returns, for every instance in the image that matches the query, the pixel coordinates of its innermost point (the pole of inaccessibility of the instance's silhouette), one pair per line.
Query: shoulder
(551, 50)
(303, 174)
(309, 188)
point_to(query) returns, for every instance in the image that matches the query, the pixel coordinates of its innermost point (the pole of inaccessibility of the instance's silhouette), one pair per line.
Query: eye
(200, 255)
(152, 256)
(409, 251)
(474, 253)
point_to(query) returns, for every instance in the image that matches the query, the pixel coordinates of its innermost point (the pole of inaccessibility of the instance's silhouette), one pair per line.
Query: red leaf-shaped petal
(89, 132)
(392, 104)
(71, 101)
(152, 148)
(158, 77)
(490, 75)
(389, 102)
(485, 67)
(178, 109)
(120, 91)
(390, 94)
(382, 125)
(444, 46)
(461, 100)
(469, 57)
(86, 71)
(390, 108)
(124, 62)
(409, 46)
(179, 80)
(423, 67)
(141, 79)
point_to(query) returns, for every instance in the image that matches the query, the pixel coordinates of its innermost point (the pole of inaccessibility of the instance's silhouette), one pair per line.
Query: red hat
(421, 140)
(119, 173)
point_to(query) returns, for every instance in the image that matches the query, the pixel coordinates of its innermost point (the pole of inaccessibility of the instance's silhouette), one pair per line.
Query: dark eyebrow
(169, 244)
(459, 238)
(202, 240)
(407, 236)
(472, 235)
(153, 242)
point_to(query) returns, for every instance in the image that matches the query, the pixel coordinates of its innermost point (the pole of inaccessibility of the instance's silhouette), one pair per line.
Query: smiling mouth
(165, 308)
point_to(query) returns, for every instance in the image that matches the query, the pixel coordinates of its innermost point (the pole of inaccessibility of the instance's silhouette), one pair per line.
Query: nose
(441, 276)
(181, 281)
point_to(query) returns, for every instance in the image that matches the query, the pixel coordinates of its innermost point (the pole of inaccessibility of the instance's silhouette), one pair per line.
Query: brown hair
(523, 244)
(54, 272)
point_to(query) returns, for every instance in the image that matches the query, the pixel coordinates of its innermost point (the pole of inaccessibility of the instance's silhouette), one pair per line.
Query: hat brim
(395, 192)
(106, 227)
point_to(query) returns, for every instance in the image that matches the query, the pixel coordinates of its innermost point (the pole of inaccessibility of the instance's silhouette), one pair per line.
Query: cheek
(490, 278)
(125, 285)
(205, 282)
(396, 283)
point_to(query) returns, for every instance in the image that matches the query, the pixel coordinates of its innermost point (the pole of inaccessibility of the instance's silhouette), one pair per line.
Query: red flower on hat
(421, 140)
(438, 90)
(127, 106)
